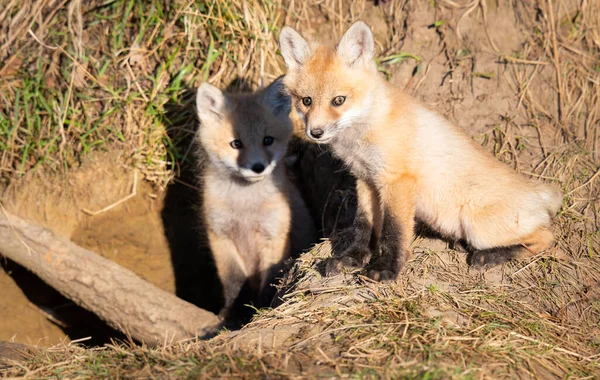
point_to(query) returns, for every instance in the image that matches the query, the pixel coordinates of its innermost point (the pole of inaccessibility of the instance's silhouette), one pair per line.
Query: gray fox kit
(254, 216)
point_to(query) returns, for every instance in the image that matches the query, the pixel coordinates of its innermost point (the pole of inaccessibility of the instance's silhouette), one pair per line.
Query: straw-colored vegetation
(82, 76)
(76, 77)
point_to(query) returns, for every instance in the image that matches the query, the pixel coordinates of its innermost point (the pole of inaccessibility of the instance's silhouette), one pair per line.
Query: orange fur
(417, 163)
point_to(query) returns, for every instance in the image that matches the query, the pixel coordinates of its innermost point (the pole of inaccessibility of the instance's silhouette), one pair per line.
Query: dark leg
(386, 264)
(357, 254)
(397, 230)
(460, 246)
(486, 258)
(363, 238)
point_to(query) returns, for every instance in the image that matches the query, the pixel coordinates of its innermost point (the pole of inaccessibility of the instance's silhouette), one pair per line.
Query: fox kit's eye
(268, 140)
(307, 101)
(236, 144)
(338, 101)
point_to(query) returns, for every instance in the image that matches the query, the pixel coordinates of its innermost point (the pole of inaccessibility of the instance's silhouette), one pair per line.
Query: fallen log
(117, 295)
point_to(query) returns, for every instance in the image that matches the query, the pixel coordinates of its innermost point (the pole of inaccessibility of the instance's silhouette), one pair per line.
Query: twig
(79, 340)
(472, 6)
(345, 328)
(526, 266)
(556, 59)
(322, 290)
(135, 81)
(40, 42)
(523, 61)
(75, 62)
(586, 182)
(559, 349)
(64, 113)
(483, 6)
(131, 195)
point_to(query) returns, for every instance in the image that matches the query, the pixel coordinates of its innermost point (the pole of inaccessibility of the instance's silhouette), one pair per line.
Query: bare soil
(130, 234)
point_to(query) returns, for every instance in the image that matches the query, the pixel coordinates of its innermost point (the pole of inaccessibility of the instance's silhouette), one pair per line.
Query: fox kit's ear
(294, 48)
(277, 99)
(357, 45)
(209, 102)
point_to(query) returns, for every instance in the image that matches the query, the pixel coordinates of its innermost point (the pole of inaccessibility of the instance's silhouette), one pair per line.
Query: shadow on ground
(75, 321)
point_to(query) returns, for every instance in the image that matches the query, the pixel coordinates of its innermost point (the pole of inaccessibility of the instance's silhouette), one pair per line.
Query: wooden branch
(117, 295)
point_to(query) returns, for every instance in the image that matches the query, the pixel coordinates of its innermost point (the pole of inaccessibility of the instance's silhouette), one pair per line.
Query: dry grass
(438, 321)
(108, 84)
(82, 76)
(77, 77)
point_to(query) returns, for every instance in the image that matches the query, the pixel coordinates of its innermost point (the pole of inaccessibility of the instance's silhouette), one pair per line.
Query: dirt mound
(130, 234)
(106, 207)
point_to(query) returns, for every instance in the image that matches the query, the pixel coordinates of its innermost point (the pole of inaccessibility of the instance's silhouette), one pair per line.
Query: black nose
(258, 168)
(317, 133)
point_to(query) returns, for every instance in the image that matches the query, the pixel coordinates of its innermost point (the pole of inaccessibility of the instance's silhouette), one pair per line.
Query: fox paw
(382, 270)
(487, 258)
(352, 259)
(384, 275)
(387, 265)
(459, 246)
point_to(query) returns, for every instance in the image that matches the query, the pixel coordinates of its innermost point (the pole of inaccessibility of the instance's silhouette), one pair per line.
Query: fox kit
(248, 202)
(409, 162)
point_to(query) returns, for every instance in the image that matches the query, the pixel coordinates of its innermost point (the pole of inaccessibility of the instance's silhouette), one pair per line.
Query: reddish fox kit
(409, 162)
(249, 205)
